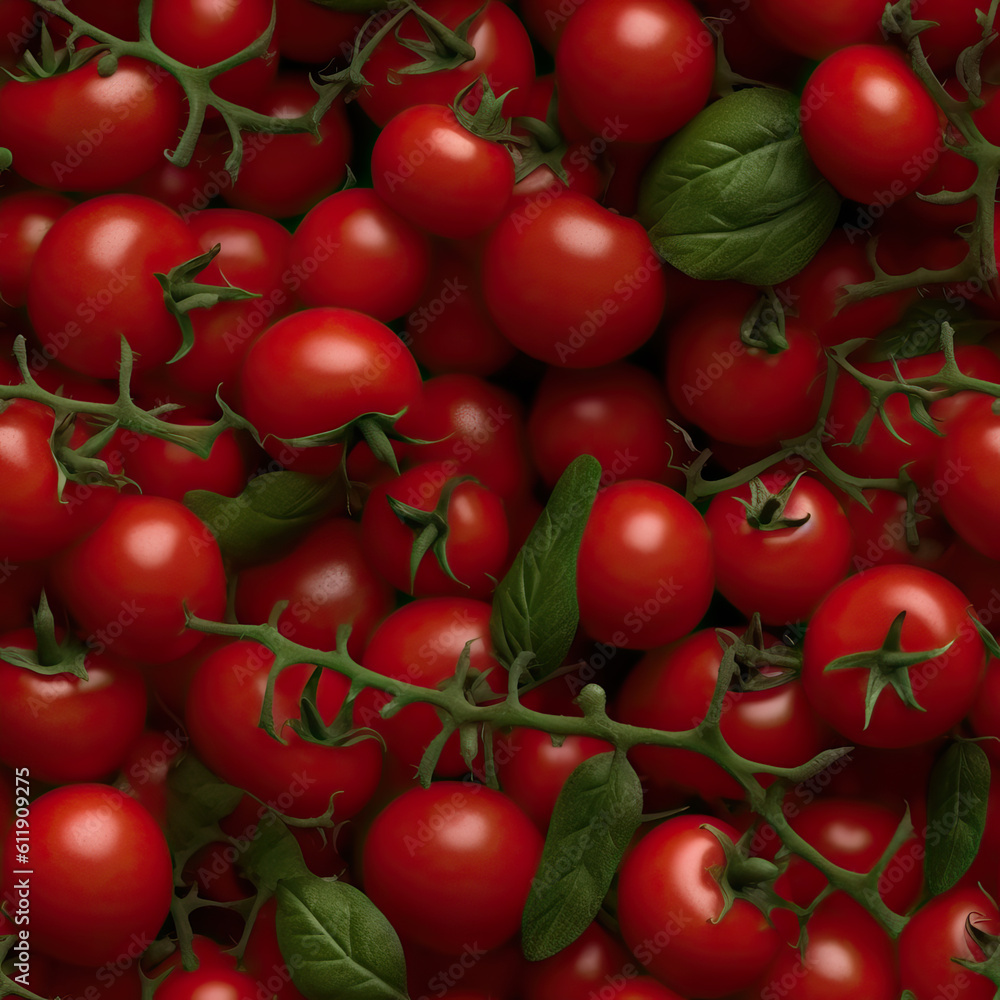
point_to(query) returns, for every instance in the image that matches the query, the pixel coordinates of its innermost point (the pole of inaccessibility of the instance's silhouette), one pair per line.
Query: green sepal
(744, 877)
(442, 49)
(50, 656)
(763, 325)
(888, 665)
(312, 728)
(181, 294)
(989, 640)
(766, 510)
(430, 528)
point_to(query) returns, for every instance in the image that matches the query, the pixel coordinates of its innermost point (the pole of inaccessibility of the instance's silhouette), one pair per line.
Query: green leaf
(273, 855)
(197, 800)
(956, 814)
(594, 818)
(734, 195)
(344, 945)
(534, 606)
(270, 513)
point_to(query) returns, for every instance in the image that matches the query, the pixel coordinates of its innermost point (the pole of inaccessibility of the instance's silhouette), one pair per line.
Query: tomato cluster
(390, 366)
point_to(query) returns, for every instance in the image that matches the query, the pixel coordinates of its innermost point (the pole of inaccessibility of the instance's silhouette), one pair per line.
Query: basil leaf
(597, 812)
(343, 945)
(734, 195)
(271, 512)
(956, 814)
(534, 606)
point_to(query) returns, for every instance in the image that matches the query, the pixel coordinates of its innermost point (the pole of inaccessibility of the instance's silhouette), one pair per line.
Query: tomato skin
(503, 53)
(208, 980)
(671, 688)
(62, 727)
(433, 171)
(571, 283)
(105, 251)
(666, 890)
(333, 365)
(866, 98)
(935, 934)
(297, 778)
(644, 65)
(477, 539)
(450, 864)
(101, 874)
(618, 413)
(644, 571)
(781, 573)
(421, 643)
(969, 483)
(308, 33)
(127, 583)
(828, 28)
(855, 616)
(580, 969)
(80, 131)
(343, 249)
(846, 952)
(742, 395)
(34, 525)
(25, 218)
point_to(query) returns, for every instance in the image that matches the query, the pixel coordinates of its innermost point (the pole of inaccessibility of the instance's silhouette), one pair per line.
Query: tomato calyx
(888, 665)
(430, 528)
(181, 294)
(311, 727)
(50, 655)
(53, 62)
(443, 48)
(763, 325)
(744, 877)
(487, 121)
(758, 668)
(766, 510)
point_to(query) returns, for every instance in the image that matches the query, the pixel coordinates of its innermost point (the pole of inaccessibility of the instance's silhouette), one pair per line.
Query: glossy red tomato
(100, 883)
(670, 906)
(333, 366)
(327, 581)
(828, 28)
(618, 413)
(644, 574)
(502, 52)
(869, 125)
(296, 778)
(594, 961)
(352, 250)
(421, 643)
(25, 217)
(80, 131)
(440, 175)
(106, 251)
(856, 617)
(475, 530)
(637, 69)
(450, 864)
(308, 33)
(936, 935)
(128, 583)
(739, 394)
(780, 572)
(570, 282)
(670, 688)
(203, 32)
(65, 728)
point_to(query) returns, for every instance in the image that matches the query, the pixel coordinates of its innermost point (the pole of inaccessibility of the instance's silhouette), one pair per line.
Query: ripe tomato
(936, 934)
(570, 282)
(80, 131)
(430, 168)
(101, 881)
(856, 617)
(333, 366)
(502, 52)
(669, 906)
(780, 572)
(25, 217)
(62, 727)
(450, 864)
(105, 251)
(127, 584)
(421, 643)
(644, 573)
(594, 961)
(476, 534)
(345, 249)
(640, 68)
(327, 581)
(671, 688)
(827, 28)
(869, 125)
(296, 778)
